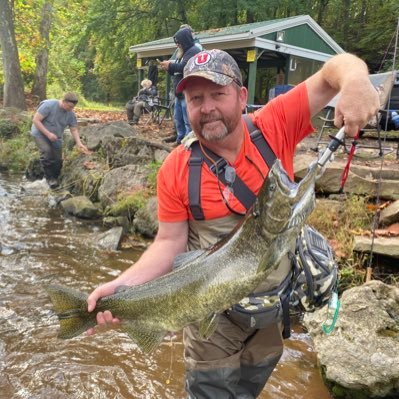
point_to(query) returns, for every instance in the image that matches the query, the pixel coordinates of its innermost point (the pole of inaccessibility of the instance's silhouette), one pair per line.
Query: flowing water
(39, 245)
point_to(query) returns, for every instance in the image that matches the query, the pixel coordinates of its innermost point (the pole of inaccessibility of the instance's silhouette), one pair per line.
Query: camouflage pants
(234, 363)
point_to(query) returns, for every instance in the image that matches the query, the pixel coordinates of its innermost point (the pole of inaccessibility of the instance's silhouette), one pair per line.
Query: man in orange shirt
(236, 361)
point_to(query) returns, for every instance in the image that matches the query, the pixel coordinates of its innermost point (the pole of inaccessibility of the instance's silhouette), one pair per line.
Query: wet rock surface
(360, 357)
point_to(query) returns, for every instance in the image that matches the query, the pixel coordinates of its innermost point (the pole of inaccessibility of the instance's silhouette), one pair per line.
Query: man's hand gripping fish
(206, 282)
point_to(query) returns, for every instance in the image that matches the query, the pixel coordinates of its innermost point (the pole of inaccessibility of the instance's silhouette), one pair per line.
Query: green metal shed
(269, 53)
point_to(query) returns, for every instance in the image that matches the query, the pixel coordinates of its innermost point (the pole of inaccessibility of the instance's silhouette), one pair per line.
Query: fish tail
(71, 309)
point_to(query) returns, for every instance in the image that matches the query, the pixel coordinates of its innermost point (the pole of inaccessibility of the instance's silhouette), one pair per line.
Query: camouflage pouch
(315, 271)
(256, 311)
(263, 309)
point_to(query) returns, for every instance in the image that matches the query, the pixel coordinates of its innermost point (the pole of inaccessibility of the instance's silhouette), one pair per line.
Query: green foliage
(91, 184)
(96, 106)
(26, 24)
(16, 153)
(16, 144)
(8, 128)
(152, 177)
(90, 39)
(339, 221)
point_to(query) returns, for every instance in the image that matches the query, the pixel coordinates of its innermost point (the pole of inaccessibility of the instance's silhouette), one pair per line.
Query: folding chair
(150, 109)
(162, 109)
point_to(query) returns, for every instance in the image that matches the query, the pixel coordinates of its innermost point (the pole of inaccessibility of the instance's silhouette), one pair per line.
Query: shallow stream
(39, 245)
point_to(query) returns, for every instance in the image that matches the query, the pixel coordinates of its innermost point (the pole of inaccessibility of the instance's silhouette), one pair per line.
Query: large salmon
(206, 282)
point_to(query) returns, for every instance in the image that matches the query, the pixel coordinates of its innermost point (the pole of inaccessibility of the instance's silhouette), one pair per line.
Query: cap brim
(220, 79)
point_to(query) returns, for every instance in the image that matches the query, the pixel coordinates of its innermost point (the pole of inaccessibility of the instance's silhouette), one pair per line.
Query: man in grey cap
(237, 359)
(49, 122)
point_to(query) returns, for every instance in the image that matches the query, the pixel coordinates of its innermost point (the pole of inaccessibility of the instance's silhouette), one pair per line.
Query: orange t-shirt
(284, 122)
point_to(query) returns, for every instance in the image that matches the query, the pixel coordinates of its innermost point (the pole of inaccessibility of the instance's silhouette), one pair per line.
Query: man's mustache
(210, 118)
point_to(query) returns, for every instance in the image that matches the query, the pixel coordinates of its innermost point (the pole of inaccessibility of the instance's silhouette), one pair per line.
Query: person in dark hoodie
(186, 49)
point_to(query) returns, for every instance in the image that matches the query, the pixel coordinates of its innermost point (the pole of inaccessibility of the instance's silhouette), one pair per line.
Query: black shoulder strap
(194, 184)
(260, 142)
(241, 190)
(217, 167)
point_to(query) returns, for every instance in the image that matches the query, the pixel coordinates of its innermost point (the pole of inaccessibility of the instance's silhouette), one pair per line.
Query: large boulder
(117, 183)
(387, 246)
(390, 214)
(134, 151)
(360, 357)
(80, 207)
(146, 219)
(82, 175)
(96, 135)
(14, 122)
(362, 179)
(37, 187)
(110, 239)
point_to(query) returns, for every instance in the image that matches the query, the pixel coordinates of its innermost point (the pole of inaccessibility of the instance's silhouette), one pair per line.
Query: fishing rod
(335, 142)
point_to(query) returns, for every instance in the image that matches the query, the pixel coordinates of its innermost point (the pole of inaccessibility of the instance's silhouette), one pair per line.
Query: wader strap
(241, 190)
(194, 184)
(260, 142)
(285, 303)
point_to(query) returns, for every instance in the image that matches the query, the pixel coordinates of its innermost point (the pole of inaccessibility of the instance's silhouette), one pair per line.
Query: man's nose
(208, 105)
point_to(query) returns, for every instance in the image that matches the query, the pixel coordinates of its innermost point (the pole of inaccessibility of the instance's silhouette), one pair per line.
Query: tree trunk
(40, 79)
(14, 95)
(346, 19)
(181, 10)
(322, 11)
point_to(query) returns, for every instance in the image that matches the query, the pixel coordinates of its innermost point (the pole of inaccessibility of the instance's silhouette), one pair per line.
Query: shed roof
(311, 41)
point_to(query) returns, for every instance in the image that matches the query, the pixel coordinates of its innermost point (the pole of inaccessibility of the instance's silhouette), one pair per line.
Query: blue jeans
(181, 119)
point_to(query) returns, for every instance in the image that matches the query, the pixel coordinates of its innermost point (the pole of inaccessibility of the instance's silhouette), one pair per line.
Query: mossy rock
(8, 128)
(127, 205)
(14, 122)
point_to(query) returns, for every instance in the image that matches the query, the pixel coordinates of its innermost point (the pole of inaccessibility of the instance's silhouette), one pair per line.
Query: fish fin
(208, 325)
(147, 340)
(186, 257)
(70, 306)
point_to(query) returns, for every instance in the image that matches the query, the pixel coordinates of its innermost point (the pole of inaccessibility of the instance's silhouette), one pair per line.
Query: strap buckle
(195, 161)
(218, 166)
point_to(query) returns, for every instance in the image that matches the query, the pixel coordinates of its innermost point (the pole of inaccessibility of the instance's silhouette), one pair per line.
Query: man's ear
(243, 97)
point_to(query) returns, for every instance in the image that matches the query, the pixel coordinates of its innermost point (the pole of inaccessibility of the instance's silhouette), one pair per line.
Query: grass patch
(152, 177)
(339, 222)
(86, 105)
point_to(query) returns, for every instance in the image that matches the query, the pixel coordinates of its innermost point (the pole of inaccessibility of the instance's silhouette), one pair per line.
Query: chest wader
(238, 358)
(50, 156)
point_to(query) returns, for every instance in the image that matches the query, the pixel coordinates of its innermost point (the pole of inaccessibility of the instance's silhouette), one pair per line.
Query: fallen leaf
(89, 165)
(390, 231)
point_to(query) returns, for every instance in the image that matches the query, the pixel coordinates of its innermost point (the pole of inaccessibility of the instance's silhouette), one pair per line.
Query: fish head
(281, 199)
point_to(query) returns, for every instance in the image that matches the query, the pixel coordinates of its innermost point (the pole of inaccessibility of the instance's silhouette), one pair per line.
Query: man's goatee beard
(214, 137)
